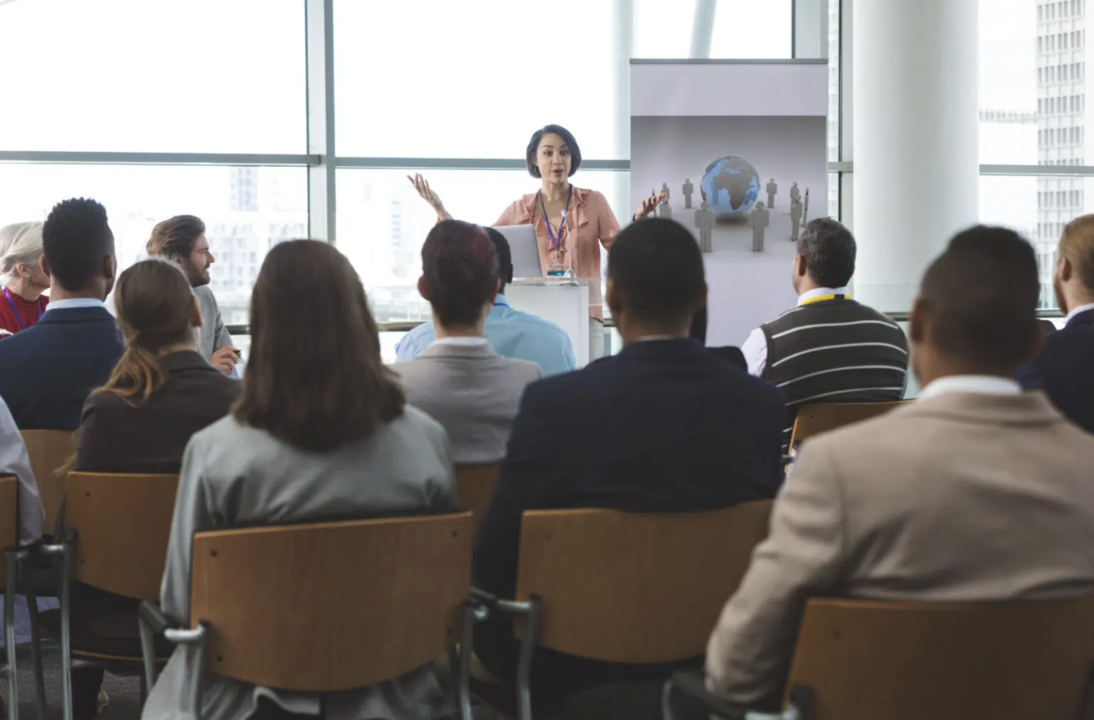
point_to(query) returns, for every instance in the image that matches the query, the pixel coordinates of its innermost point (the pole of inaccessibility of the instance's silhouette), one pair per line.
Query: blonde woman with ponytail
(161, 392)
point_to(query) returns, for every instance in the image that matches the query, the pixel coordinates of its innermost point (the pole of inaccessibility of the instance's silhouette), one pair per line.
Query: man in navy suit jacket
(48, 370)
(1065, 367)
(665, 426)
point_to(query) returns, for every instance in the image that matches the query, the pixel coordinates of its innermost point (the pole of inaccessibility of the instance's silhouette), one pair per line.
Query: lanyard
(555, 244)
(18, 319)
(822, 298)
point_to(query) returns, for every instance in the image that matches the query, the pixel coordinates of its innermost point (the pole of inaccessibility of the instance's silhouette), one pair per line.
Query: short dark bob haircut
(533, 148)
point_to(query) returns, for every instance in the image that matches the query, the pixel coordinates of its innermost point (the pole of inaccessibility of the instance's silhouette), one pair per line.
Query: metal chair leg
(9, 634)
(467, 650)
(524, 662)
(66, 636)
(35, 644)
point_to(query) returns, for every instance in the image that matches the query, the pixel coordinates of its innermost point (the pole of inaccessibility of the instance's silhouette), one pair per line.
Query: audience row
(977, 490)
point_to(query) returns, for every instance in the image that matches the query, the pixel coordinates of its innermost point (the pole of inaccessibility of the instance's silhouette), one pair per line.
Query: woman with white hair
(21, 301)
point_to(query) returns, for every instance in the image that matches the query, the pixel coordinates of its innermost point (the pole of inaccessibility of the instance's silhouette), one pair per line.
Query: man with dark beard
(181, 239)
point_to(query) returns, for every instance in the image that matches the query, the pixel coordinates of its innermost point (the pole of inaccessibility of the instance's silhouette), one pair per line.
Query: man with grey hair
(22, 276)
(181, 239)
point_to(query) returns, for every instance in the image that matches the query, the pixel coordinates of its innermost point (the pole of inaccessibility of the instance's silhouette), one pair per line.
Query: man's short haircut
(656, 271)
(505, 256)
(1077, 246)
(175, 236)
(460, 271)
(75, 240)
(982, 293)
(533, 148)
(828, 250)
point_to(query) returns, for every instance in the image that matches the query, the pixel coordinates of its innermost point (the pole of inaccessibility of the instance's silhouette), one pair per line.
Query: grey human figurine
(795, 193)
(795, 219)
(688, 190)
(759, 219)
(664, 210)
(665, 189)
(704, 220)
(772, 188)
(805, 210)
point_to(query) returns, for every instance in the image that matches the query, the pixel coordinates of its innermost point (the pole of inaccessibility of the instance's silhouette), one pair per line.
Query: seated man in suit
(976, 491)
(664, 426)
(698, 332)
(47, 371)
(829, 348)
(1065, 367)
(512, 333)
(460, 380)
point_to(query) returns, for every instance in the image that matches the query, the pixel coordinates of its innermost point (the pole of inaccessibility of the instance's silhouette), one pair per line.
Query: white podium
(566, 305)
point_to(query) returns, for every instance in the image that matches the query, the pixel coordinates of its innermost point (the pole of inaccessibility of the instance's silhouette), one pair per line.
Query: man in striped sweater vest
(829, 348)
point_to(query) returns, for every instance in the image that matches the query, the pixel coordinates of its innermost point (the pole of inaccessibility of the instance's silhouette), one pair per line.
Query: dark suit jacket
(47, 370)
(664, 426)
(731, 355)
(1065, 370)
(149, 437)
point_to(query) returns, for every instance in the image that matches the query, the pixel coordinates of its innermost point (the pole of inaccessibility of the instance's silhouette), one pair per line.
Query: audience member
(698, 332)
(1065, 367)
(181, 239)
(974, 492)
(512, 333)
(663, 426)
(459, 380)
(320, 432)
(47, 371)
(161, 393)
(22, 275)
(163, 390)
(14, 461)
(829, 348)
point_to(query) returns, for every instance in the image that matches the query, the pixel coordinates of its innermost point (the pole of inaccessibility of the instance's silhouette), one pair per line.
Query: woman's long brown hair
(155, 307)
(314, 378)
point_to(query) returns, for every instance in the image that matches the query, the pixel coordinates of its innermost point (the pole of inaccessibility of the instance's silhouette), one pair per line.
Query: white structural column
(916, 168)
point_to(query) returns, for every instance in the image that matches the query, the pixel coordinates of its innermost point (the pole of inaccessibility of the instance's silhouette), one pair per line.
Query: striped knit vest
(834, 350)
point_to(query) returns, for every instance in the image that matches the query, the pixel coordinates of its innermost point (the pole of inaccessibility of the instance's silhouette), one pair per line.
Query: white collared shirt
(74, 303)
(462, 341)
(981, 384)
(755, 347)
(1082, 308)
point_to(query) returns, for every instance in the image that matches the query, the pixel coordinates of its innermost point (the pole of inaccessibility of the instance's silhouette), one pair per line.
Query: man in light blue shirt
(512, 333)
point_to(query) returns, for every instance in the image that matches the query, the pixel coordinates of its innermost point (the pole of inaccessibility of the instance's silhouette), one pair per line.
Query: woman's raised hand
(422, 186)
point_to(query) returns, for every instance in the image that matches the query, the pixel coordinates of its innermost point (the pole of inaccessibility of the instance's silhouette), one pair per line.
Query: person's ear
(421, 289)
(195, 315)
(110, 268)
(799, 266)
(918, 320)
(1067, 270)
(705, 297)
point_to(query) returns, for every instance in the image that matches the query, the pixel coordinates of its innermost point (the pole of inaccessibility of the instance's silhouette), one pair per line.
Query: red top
(29, 312)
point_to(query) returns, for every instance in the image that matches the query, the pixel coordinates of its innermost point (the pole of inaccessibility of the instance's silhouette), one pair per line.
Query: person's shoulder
(415, 421)
(524, 370)
(873, 314)
(539, 324)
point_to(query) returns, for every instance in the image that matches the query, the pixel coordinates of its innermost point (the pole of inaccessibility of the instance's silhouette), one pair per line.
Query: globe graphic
(730, 185)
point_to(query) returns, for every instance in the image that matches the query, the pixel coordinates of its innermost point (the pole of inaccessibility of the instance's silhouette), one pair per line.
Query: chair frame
(693, 686)
(153, 622)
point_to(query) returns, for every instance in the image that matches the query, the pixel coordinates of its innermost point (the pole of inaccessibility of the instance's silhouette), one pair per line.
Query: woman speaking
(567, 219)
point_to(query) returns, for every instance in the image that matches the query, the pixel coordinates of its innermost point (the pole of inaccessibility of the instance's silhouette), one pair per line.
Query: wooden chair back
(816, 419)
(635, 588)
(475, 486)
(49, 451)
(122, 524)
(9, 518)
(332, 606)
(946, 661)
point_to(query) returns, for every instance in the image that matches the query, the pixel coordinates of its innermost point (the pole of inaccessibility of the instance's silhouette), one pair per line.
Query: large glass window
(134, 75)
(246, 211)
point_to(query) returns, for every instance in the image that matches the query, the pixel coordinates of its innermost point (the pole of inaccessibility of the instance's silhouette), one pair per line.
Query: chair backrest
(331, 606)
(9, 517)
(475, 486)
(49, 451)
(122, 524)
(816, 419)
(635, 588)
(946, 661)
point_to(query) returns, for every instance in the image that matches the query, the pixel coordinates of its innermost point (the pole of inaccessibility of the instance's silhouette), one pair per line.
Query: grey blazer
(470, 390)
(214, 335)
(236, 475)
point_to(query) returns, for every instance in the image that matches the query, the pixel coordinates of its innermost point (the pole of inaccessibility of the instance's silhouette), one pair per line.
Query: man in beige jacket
(976, 491)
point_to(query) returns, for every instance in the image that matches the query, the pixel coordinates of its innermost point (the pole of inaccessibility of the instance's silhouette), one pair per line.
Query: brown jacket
(958, 497)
